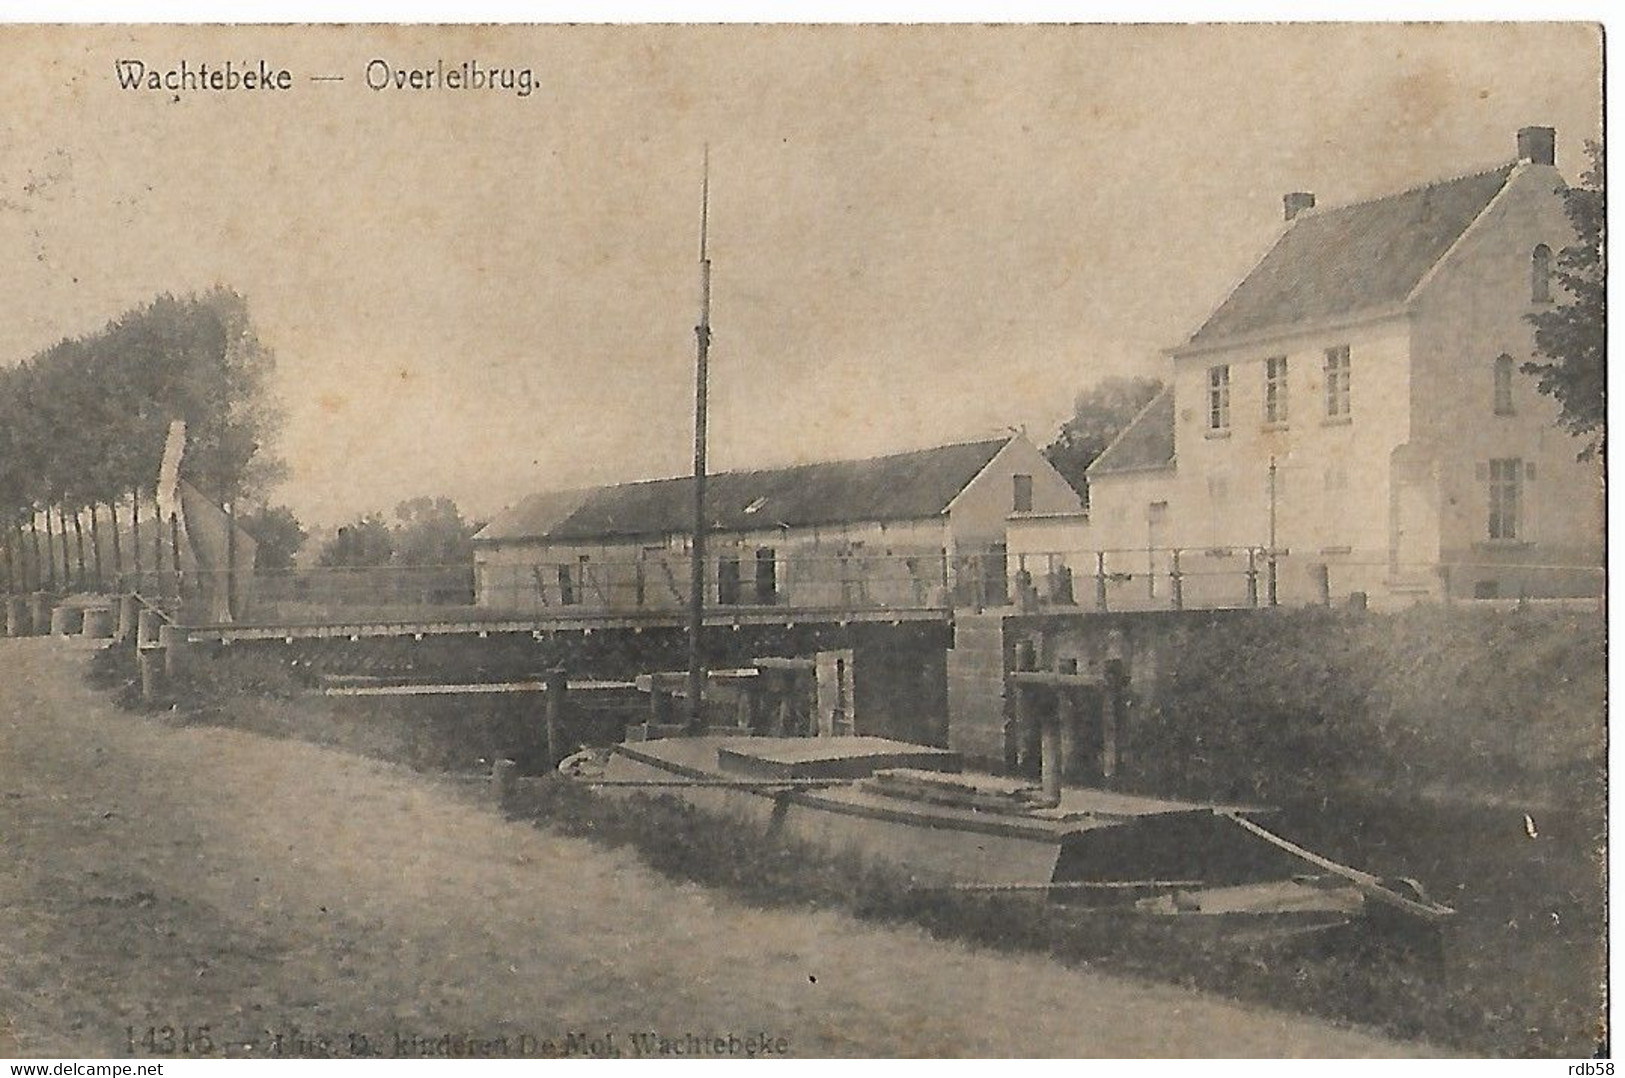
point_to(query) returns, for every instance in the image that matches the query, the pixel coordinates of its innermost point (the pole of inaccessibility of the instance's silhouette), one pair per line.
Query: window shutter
(1483, 471)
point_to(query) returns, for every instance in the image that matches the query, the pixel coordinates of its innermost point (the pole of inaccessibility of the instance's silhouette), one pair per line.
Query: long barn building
(909, 530)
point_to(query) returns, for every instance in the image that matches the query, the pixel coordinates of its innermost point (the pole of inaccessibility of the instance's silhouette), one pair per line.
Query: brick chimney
(1296, 202)
(1537, 145)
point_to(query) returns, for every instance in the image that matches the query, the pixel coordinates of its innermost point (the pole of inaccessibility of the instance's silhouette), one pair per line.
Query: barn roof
(1147, 442)
(902, 486)
(1346, 259)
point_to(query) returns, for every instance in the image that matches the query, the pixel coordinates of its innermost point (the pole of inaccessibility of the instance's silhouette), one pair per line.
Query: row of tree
(83, 426)
(426, 532)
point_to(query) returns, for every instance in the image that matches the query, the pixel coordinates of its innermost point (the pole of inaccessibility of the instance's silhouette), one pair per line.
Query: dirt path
(155, 875)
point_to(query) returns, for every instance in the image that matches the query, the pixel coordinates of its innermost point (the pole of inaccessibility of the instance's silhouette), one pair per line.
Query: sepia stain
(332, 403)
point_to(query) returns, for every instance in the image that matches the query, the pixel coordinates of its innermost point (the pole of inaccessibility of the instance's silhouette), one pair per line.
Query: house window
(1506, 494)
(1218, 397)
(767, 576)
(1540, 274)
(1022, 493)
(727, 580)
(1337, 382)
(1503, 385)
(1275, 389)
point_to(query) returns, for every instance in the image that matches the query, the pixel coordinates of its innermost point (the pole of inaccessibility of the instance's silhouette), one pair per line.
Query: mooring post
(658, 702)
(784, 690)
(1112, 715)
(750, 704)
(558, 685)
(150, 658)
(16, 616)
(1066, 723)
(503, 773)
(96, 623)
(1049, 752)
(172, 641)
(39, 613)
(147, 622)
(66, 620)
(129, 614)
(1015, 753)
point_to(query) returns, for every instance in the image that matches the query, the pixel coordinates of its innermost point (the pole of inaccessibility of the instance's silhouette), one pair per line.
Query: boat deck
(1081, 808)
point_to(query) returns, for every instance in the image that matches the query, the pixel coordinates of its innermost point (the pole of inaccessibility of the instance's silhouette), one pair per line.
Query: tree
(1571, 337)
(432, 531)
(362, 543)
(1099, 415)
(277, 533)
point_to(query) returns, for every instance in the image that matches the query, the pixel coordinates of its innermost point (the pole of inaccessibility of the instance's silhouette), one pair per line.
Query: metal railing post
(1177, 578)
(1252, 576)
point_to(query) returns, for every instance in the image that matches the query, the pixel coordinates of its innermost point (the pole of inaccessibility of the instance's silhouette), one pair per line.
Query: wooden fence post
(558, 686)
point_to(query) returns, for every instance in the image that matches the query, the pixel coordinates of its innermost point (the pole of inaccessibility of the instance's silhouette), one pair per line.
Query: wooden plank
(1054, 680)
(1070, 885)
(1368, 884)
(470, 689)
(772, 663)
(726, 784)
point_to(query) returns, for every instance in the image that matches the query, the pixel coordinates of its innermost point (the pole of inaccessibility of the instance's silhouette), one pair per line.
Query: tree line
(83, 425)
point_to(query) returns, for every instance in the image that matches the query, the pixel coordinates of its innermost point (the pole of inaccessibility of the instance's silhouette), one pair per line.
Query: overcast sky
(919, 235)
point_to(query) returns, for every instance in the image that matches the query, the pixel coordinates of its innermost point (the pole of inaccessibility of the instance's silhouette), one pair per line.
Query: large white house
(1356, 404)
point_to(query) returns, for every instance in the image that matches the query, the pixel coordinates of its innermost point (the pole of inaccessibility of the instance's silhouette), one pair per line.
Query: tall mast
(696, 587)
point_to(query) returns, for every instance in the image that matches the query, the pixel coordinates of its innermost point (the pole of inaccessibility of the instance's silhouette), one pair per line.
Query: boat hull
(932, 846)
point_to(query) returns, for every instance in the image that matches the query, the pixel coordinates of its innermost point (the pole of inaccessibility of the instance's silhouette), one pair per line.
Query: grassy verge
(1522, 966)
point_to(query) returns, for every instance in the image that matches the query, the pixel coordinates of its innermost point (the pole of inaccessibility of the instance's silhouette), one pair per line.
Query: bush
(1470, 702)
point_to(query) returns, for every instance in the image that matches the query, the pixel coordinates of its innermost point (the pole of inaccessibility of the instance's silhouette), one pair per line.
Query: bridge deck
(470, 623)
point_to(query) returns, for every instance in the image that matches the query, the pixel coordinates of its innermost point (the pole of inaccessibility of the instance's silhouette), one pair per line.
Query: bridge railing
(855, 582)
(1195, 578)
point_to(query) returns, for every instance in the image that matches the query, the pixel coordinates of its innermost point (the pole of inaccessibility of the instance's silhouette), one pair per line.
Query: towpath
(291, 897)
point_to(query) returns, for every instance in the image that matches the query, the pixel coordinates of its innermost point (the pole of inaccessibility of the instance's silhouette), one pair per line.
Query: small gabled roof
(1147, 442)
(1346, 259)
(902, 486)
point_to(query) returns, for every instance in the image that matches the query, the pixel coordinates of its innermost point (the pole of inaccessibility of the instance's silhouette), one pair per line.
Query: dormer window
(1540, 274)
(1503, 385)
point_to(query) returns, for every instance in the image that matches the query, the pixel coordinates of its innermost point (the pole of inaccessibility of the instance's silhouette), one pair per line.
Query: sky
(919, 234)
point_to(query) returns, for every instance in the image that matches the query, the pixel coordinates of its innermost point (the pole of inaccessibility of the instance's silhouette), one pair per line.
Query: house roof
(902, 486)
(1147, 442)
(1346, 259)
